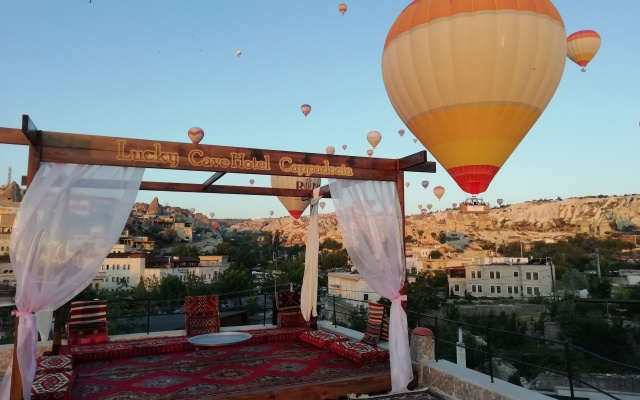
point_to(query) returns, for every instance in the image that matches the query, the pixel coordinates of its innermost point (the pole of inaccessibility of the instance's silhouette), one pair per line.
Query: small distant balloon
(423, 211)
(419, 206)
(438, 191)
(215, 225)
(166, 204)
(369, 152)
(306, 109)
(374, 137)
(331, 150)
(500, 201)
(342, 8)
(415, 140)
(407, 184)
(192, 210)
(401, 132)
(582, 46)
(252, 181)
(322, 204)
(238, 53)
(196, 134)
(344, 147)
(454, 205)
(271, 213)
(212, 214)
(425, 184)
(429, 206)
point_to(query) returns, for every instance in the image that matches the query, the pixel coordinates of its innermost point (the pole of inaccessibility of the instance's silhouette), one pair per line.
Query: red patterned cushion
(196, 304)
(83, 312)
(49, 364)
(202, 323)
(384, 328)
(96, 332)
(259, 336)
(57, 385)
(359, 352)
(291, 320)
(372, 332)
(288, 301)
(322, 338)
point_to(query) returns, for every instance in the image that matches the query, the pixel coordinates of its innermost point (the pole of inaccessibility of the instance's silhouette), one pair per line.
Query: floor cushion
(291, 320)
(359, 352)
(322, 338)
(49, 364)
(56, 385)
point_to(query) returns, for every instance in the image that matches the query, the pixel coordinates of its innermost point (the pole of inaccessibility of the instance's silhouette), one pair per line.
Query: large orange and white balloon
(438, 191)
(306, 109)
(295, 205)
(195, 134)
(342, 8)
(470, 78)
(582, 46)
(374, 137)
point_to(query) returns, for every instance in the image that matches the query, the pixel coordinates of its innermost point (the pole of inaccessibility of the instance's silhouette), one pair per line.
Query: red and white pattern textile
(57, 385)
(384, 328)
(88, 322)
(291, 320)
(202, 314)
(49, 364)
(372, 331)
(359, 352)
(322, 338)
(196, 304)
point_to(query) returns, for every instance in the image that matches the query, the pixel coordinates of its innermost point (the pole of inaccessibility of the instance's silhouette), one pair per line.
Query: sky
(152, 69)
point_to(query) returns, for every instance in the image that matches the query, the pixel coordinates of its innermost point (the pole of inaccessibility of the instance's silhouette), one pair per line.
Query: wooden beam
(222, 189)
(13, 136)
(213, 179)
(417, 162)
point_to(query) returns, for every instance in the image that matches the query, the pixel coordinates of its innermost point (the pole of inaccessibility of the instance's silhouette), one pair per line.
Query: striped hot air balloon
(582, 46)
(469, 78)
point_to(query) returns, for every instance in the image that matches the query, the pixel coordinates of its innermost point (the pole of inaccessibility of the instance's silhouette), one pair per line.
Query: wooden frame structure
(60, 147)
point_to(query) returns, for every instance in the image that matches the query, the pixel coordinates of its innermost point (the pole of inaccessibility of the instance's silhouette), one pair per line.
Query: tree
(338, 259)
(358, 318)
(435, 254)
(184, 250)
(442, 237)
(427, 293)
(330, 244)
(233, 279)
(171, 287)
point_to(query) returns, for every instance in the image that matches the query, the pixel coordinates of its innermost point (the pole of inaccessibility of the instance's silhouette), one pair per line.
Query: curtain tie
(20, 313)
(401, 297)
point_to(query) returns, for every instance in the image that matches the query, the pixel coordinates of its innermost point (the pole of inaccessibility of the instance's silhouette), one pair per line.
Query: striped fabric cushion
(384, 328)
(375, 312)
(87, 312)
(372, 332)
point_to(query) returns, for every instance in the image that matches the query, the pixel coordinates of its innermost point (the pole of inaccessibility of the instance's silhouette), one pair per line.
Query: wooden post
(400, 187)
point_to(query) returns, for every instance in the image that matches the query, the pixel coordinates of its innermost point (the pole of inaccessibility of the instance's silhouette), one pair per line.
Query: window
(535, 276)
(113, 279)
(536, 290)
(127, 279)
(509, 289)
(473, 288)
(498, 289)
(366, 296)
(480, 288)
(456, 287)
(479, 275)
(107, 266)
(529, 290)
(492, 275)
(493, 289)
(515, 274)
(528, 276)
(498, 276)
(515, 289)
(473, 274)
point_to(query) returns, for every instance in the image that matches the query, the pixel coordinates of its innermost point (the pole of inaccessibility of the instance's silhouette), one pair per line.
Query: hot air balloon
(196, 134)
(582, 46)
(330, 150)
(295, 205)
(415, 140)
(369, 152)
(423, 211)
(419, 206)
(401, 132)
(322, 204)
(425, 184)
(407, 184)
(470, 78)
(215, 224)
(344, 147)
(212, 214)
(454, 205)
(374, 138)
(342, 8)
(429, 206)
(238, 53)
(306, 109)
(192, 210)
(271, 213)
(438, 191)
(252, 181)
(500, 201)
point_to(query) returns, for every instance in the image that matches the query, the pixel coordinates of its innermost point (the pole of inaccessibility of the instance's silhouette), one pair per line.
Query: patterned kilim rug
(215, 371)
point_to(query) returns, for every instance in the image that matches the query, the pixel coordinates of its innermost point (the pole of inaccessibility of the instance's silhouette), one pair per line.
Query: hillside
(530, 221)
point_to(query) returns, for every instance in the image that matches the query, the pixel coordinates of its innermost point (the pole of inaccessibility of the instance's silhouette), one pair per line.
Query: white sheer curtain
(370, 219)
(309, 292)
(68, 221)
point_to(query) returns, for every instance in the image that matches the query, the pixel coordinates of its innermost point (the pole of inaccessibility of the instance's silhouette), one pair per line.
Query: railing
(485, 338)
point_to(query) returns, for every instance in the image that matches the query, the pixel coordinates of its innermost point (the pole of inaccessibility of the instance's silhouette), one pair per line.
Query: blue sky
(153, 69)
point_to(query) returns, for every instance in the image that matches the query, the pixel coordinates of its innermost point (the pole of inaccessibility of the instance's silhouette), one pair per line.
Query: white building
(527, 278)
(120, 267)
(351, 287)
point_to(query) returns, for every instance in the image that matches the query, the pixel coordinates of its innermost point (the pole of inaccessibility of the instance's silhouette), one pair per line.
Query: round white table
(219, 339)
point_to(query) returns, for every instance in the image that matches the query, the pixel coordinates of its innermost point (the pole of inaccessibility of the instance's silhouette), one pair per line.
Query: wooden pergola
(61, 147)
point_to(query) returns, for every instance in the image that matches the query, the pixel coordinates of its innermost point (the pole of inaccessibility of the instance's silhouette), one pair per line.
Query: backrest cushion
(199, 304)
(288, 301)
(372, 331)
(86, 312)
(384, 328)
